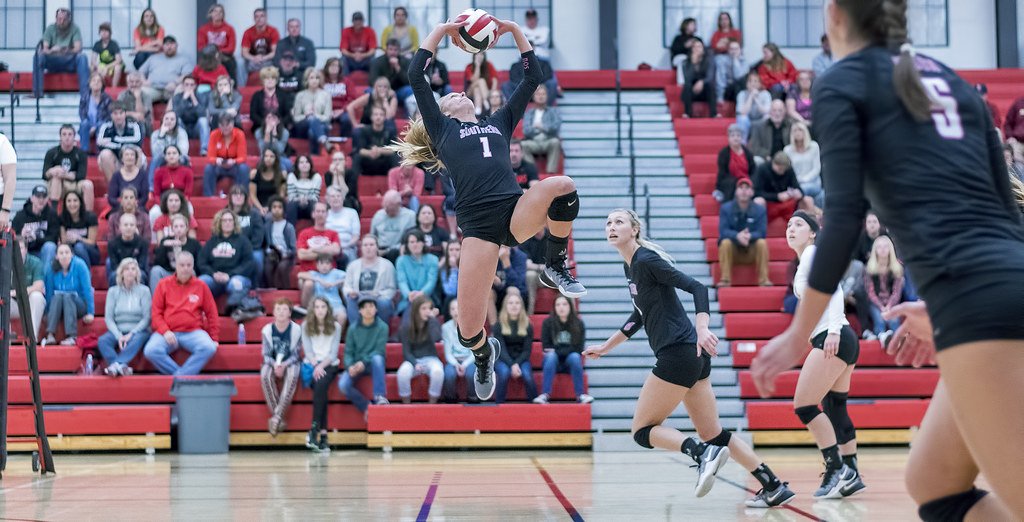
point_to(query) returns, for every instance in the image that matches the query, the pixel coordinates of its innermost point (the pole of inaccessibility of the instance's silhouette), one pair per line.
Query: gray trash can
(204, 413)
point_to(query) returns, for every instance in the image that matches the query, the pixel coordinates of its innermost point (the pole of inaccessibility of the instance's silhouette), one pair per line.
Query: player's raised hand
(504, 26)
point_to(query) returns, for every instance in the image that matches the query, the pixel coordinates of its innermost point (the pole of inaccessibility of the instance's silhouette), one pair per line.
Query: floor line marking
(752, 492)
(429, 499)
(569, 508)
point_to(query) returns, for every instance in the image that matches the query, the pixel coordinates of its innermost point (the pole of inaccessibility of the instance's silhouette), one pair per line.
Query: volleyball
(481, 32)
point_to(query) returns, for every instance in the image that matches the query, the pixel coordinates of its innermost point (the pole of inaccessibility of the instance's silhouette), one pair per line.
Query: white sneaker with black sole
(484, 380)
(712, 460)
(833, 481)
(559, 278)
(780, 496)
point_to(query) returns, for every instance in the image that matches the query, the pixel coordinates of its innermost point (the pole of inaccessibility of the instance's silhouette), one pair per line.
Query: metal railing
(15, 102)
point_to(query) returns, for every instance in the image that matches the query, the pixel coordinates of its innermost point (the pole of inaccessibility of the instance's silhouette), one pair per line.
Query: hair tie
(909, 49)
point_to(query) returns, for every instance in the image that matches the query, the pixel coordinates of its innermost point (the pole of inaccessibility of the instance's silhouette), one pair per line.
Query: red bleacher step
(253, 417)
(751, 298)
(778, 249)
(746, 275)
(866, 414)
(759, 325)
(485, 418)
(709, 227)
(865, 382)
(93, 420)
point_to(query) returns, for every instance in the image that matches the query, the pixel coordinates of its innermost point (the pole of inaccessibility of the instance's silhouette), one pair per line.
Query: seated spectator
(435, 238)
(224, 99)
(69, 296)
(407, 180)
(250, 225)
(184, 316)
(344, 179)
(170, 247)
(448, 273)
(541, 127)
(169, 133)
(679, 51)
(129, 205)
(1013, 124)
(459, 360)
(403, 32)
(436, 73)
(742, 228)
(344, 221)
(121, 130)
(416, 271)
(526, 172)
(267, 181)
(226, 156)
(316, 240)
(127, 316)
(725, 34)
(872, 229)
(165, 71)
(269, 100)
(699, 80)
(540, 37)
(777, 188)
(172, 201)
(290, 82)
(365, 345)
(515, 334)
(280, 340)
(481, 78)
(419, 334)
(342, 91)
(148, 38)
(321, 337)
(226, 260)
(33, 273)
(79, 229)
(300, 47)
(324, 283)
(106, 56)
(771, 136)
(274, 135)
(65, 167)
(393, 66)
(563, 335)
(280, 241)
(358, 45)
(731, 71)
(60, 51)
(993, 109)
(1013, 167)
(221, 35)
(37, 224)
(515, 77)
(535, 249)
(805, 156)
(823, 61)
(380, 96)
(191, 111)
(735, 162)
(389, 223)
(93, 111)
(173, 174)
(137, 102)
(883, 281)
(129, 175)
(371, 277)
(127, 244)
(495, 101)
(259, 44)
(856, 298)
(798, 99)
(752, 105)
(311, 111)
(303, 190)
(509, 276)
(208, 68)
(776, 71)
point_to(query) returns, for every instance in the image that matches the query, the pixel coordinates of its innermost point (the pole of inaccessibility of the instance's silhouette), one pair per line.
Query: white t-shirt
(834, 317)
(7, 157)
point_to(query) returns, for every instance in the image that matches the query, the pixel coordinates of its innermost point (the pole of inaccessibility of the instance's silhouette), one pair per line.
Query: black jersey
(652, 287)
(940, 186)
(475, 154)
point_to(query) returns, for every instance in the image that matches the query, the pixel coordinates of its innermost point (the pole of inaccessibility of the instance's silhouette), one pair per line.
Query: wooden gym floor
(440, 485)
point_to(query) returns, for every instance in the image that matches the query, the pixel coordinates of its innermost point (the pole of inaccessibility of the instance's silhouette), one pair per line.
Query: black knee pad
(834, 405)
(643, 436)
(951, 508)
(565, 208)
(807, 413)
(722, 439)
(472, 341)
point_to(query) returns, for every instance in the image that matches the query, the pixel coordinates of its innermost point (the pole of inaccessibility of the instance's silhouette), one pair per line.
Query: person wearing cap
(38, 225)
(538, 35)
(778, 188)
(221, 34)
(358, 45)
(290, 81)
(742, 228)
(259, 42)
(64, 168)
(301, 48)
(120, 131)
(735, 161)
(60, 50)
(8, 179)
(364, 355)
(165, 71)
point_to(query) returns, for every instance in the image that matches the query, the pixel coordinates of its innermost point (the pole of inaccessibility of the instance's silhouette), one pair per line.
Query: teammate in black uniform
(683, 363)
(905, 132)
(492, 209)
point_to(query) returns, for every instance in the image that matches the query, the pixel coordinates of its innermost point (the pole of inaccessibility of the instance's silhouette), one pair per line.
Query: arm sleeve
(267, 345)
(387, 286)
(725, 183)
(83, 160)
(332, 355)
(108, 313)
(433, 120)
(869, 288)
(583, 338)
(524, 354)
(210, 311)
(350, 347)
(400, 273)
(431, 283)
(725, 230)
(147, 309)
(632, 324)
(403, 336)
(759, 230)
(508, 116)
(896, 295)
(547, 334)
(836, 312)
(666, 274)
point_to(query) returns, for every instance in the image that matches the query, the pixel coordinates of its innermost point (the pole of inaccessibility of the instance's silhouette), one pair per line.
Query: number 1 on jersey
(487, 146)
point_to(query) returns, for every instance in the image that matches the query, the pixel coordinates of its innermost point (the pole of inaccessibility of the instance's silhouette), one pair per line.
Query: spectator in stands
(65, 167)
(274, 136)
(93, 110)
(548, 79)
(514, 332)
(290, 82)
(823, 61)
(725, 34)
(370, 276)
(395, 67)
(137, 102)
(303, 189)
(37, 224)
(79, 228)
(742, 228)
(170, 247)
(403, 32)
(317, 239)
(372, 155)
(321, 337)
(776, 71)
(172, 202)
(435, 238)
(735, 162)
(562, 336)
(416, 271)
(798, 99)
(165, 71)
(170, 133)
(208, 68)
(129, 175)
(342, 91)
(191, 111)
(1014, 167)
(226, 260)
(127, 316)
(509, 276)
(365, 346)
(389, 223)
(380, 96)
(699, 81)
(324, 283)
(148, 38)
(344, 179)
(540, 37)
(731, 70)
(300, 47)
(1013, 126)
(226, 156)
(495, 101)
(419, 334)
(106, 56)
(407, 180)
(997, 117)
(872, 229)
(536, 252)
(311, 111)
(541, 128)
(358, 44)
(804, 154)
(250, 224)
(60, 51)
(480, 79)
(281, 340)
(129, 205)
(436, 73)
(267, 181)
(679, 51)
(69, 296)
(127, 244)
(121, 130)
(883, 281)
(172, 175)
(219, 33)
(33, 274)
(458, 359)
(856, 297)
(224, 99)
(259, 43)
(344, 221)
(753, 105)
(269, 100)
(184, 316)
(769, 137)
(280, 241)
(777, 188)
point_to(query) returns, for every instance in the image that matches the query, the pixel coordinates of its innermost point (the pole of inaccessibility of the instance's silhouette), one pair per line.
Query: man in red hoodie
(181, 305)
(219, 33)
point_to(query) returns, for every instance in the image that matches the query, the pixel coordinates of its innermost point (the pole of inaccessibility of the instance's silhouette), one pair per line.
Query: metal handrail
(15, 102)
(618, 112)
(632, 159)
(647, 211)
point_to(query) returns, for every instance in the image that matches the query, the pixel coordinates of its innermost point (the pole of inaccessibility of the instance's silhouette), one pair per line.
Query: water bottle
(88, 364)
(241, 333)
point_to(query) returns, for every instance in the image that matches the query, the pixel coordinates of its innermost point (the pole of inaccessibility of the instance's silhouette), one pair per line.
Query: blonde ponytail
(640, 239)
(415, 148)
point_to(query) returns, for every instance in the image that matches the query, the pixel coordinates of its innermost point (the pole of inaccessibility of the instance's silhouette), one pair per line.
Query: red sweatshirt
(223, 36)
(180, 307)
(234, 149)
(771, 78)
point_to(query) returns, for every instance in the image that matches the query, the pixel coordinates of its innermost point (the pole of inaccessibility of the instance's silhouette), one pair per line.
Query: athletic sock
(851, 461)
(832, 458)
(693, 448)
(556, 249)
(482, 353)
(766, 477)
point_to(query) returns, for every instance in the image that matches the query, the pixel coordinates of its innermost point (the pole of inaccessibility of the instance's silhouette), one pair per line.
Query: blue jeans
(108, 347)
(347, 383)
(46, 253)
(237, 287)
(385, 309)
(89, 253)
(451, 375)
(85, 130)
(212, 174)
(68, 307)
(312, 129)
(59, 63)
(880, 324)
(571, 364)
(354, 65)
(196, 342)
(815, 191)
(504, 373)
(204, 134)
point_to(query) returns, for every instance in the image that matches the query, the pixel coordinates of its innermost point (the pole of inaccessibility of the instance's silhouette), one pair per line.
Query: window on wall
(516, 10)
(322, 20)
(22, 23)
(123, 16)
(423, 14)
(796, 23)
(704, 11)
(929, 22)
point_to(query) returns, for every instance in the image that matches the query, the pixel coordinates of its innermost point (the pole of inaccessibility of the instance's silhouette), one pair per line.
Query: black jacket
(258, 111)
(231, 255)
(37, 229)
(726, 182)
(768, 184)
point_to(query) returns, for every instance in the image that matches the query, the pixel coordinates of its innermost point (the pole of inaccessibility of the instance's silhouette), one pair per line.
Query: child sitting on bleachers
(280, 341)
(69, 296)
(324, 282)
(321, 336)
(280, 241)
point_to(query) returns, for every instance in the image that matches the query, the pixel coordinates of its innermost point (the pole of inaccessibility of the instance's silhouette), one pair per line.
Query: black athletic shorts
(849, 345)
(680, 365)
(490, 222)
(982, 307)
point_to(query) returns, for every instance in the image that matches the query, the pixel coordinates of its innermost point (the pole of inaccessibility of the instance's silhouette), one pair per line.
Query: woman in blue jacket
(69, 296)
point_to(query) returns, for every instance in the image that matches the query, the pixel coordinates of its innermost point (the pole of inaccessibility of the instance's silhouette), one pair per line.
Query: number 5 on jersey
(487, 146)
(947, 115)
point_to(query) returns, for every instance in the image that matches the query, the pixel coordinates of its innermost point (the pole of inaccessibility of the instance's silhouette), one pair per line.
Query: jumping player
(904, 132)
(683, 365)
(825, 375)
(491, 208)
